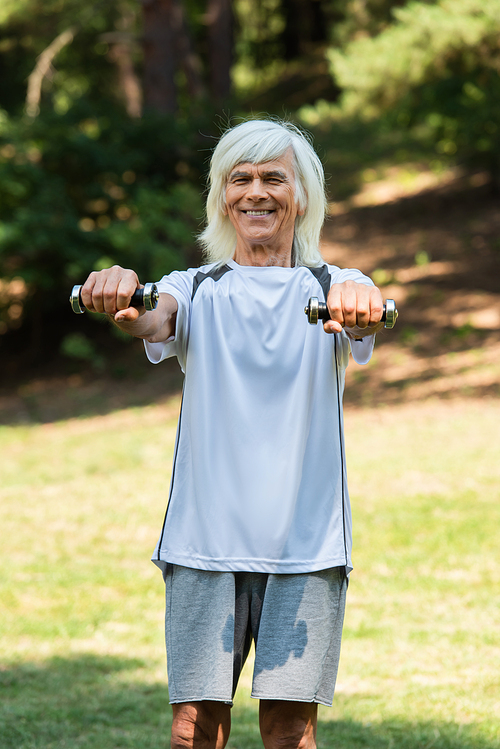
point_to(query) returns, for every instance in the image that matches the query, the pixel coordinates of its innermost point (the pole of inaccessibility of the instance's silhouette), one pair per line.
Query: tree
(360, 19)
(305, 25)
(219, 20)
(85, 180)
(161, 29)
(435, 65)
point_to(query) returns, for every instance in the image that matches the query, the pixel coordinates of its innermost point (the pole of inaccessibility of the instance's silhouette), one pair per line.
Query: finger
(331, 326)
(335, 307)
(119, 285)
(350, 294)
(87, 292)
(127, 286)
(93, 293)
(130, 314)
(362, 311)
(376, 307)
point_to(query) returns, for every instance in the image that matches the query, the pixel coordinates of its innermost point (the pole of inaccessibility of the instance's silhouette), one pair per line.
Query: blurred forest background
(109, 111)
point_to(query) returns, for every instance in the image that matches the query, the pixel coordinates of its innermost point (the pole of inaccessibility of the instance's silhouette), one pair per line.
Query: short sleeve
(178, 284)
(339, 275)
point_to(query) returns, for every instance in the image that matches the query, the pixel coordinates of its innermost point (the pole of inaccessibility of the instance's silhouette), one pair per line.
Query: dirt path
(438, 255)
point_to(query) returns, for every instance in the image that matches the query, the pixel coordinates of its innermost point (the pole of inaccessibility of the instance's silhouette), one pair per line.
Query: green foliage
(355, 20)
(435, 66)
(424, 43)
(27, 28)
(91, 188)
(260, 29)
(83, 185)
(80, 347)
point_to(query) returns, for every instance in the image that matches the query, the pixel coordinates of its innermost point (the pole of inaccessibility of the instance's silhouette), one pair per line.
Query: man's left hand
(355, 307)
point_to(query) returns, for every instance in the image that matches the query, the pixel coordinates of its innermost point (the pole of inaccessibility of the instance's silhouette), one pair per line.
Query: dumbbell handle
(317, 310)
(146, 297)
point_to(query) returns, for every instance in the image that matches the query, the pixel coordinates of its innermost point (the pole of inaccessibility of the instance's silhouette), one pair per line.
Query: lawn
(81, 654)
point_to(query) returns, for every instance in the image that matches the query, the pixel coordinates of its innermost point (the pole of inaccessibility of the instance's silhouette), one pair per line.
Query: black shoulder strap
(322, 274)
(216, 273)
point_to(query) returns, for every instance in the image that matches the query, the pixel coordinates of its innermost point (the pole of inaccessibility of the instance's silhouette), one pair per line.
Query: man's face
(260, 202)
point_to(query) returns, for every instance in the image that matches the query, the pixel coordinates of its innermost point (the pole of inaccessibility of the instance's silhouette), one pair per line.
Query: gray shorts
(295, 620)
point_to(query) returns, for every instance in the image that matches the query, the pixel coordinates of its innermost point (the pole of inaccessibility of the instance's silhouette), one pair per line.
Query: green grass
(81, 649)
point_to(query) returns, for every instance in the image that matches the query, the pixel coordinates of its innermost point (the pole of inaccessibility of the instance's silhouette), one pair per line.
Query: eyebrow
(270, 174)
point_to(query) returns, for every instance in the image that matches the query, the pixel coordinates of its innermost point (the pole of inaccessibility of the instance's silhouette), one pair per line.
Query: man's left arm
(354, 307)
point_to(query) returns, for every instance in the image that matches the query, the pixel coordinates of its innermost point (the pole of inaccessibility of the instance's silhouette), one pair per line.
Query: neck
(262, 256)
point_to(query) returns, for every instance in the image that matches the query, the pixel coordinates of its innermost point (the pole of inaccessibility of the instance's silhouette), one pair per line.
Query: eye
(274, 179)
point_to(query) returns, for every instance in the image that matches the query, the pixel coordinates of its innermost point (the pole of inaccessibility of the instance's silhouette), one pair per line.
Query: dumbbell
(316, 310)
(146, 297)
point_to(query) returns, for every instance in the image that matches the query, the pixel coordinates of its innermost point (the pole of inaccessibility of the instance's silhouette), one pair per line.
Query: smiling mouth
(257, 213)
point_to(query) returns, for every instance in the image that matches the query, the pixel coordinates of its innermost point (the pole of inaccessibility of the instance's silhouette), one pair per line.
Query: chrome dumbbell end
(149, 296)
(75, 300)
(312, 310)
(390, 314)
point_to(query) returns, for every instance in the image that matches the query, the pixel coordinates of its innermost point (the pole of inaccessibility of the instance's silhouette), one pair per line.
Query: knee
(186, 734)
(295, 735)
(288, 725)
(193, 727)
(288, 731)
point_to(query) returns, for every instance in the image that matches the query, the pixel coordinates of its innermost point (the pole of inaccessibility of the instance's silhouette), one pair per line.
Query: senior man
(256, 539)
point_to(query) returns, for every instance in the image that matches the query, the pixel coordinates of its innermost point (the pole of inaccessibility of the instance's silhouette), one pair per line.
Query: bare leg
(200, 725)
(288, 725)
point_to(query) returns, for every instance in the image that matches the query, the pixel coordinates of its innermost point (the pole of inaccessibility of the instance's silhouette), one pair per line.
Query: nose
(257, 189)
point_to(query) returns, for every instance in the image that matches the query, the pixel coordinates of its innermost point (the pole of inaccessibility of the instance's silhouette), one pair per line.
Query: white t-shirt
(258, 481)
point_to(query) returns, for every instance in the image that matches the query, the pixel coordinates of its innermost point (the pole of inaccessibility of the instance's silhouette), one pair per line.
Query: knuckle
(109, 295)
(363, 310)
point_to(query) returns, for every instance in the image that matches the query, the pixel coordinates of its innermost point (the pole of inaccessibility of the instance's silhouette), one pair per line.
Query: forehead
(283, 164)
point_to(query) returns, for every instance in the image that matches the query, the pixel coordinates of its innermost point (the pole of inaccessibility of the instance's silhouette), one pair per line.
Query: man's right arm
(109, 292)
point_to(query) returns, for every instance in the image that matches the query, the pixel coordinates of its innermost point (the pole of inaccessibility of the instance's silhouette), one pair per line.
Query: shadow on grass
(88, 701)
(400, 734)
(86, 393)
(101, 702)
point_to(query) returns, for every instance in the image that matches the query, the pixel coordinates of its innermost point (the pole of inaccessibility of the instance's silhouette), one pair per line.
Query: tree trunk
(292, 32)
(130, 87)
(188, 60)
(123, 42)
(305, 25)
(42, 67)
(220, 47)
(159, 42)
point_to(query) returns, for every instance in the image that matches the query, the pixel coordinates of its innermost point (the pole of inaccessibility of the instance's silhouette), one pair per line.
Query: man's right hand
(109, 292)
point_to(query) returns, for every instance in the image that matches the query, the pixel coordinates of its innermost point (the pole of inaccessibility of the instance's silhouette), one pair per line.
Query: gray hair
(256, 142)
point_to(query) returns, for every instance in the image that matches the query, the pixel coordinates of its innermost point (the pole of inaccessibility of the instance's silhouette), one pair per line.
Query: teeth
(257, 213)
